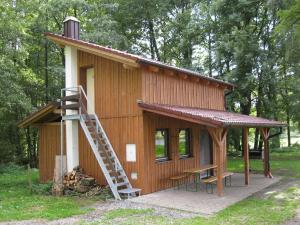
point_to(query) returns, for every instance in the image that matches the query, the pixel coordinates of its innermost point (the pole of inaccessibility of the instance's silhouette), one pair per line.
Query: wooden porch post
(246, 153)
(265, 135)
(219, 136)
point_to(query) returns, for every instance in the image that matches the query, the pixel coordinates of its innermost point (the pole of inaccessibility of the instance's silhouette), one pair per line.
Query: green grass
(275, 208)
(18, 202)
(284, 162)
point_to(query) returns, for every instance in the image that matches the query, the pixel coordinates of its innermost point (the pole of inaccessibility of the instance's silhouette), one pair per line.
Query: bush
(42, 189)
(10, 168)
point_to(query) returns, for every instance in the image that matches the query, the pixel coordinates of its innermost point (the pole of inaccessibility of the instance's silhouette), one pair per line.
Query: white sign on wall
(130, 152)
(134, 176)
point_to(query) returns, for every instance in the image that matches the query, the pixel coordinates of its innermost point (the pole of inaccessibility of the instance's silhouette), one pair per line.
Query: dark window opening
(162, 144)
(184, 143)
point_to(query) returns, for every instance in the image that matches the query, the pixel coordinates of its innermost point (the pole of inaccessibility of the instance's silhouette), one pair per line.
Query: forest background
(252, 44)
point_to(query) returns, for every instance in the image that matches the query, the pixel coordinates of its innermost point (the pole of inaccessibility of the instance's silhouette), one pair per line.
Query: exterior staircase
(74, 104)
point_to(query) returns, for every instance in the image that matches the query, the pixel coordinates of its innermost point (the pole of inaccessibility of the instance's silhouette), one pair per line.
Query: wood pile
(78, 181)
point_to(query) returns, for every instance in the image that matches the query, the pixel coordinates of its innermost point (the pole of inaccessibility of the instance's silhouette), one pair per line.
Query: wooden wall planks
(174, 90)
(116, 88)
(49, 146)
(116, 92)
(158, 173)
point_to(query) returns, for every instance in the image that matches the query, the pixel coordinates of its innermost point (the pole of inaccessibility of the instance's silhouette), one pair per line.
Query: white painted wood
(71, 78)
(90, 90)
(130, 152)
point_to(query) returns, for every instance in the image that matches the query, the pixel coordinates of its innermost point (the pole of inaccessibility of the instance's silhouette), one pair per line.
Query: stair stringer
(94, 147)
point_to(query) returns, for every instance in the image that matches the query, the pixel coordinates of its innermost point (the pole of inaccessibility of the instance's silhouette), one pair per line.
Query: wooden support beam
(183, 76)
(169, 72)
(195, 79)
(265, 132)
(219, 137)
(57, 111)
(154, 69)
(246, 153)
(128, 67)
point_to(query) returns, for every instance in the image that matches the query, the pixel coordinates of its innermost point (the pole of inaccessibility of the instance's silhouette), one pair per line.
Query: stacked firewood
(78, 181)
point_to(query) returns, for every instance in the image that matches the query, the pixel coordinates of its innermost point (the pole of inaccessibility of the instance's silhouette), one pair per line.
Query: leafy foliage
(253, 44)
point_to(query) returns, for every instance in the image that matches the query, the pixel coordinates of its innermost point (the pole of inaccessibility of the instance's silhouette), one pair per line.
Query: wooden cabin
(160, 119)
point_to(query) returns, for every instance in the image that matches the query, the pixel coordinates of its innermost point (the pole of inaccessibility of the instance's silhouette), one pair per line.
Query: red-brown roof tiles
(216, 118)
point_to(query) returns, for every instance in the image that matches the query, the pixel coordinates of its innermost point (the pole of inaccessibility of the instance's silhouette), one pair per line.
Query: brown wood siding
(158, 173)
(116, 88)
(174, 90)
(116, 93)
(49, 147)
(121, 131)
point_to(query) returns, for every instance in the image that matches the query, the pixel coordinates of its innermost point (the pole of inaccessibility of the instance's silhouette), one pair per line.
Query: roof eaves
(183, 70)
(131, 59)
(109, 53)
(253, 125)
(183, 116)
(34, 116)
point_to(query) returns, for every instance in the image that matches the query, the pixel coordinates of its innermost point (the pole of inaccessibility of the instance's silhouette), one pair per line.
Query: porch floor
(202, 202)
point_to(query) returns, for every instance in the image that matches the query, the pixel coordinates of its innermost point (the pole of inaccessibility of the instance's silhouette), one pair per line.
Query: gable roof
(209, 117)
(126, 58)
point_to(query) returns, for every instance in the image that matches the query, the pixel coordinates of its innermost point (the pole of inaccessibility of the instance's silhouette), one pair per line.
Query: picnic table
(198, 170)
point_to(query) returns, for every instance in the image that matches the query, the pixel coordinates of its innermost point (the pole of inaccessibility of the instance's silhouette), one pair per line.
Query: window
(184, 138)
(161, 144)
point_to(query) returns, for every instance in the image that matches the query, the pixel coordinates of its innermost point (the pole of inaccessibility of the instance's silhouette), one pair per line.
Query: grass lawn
(284, 162)
(274, 209)
(17, 202)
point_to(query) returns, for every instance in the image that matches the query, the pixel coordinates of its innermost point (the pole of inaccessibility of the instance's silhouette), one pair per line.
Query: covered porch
(217, 123)
(203, 203)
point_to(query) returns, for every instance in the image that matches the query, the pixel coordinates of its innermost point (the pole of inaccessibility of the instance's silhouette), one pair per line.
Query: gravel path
(101, 208)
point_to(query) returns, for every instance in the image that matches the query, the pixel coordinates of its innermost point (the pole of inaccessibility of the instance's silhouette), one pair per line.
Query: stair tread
(119, 177)
(70, 106)
(121, 184)
(71, 98)
(129, 190)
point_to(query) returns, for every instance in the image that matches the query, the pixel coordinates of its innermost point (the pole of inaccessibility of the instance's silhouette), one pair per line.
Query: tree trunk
(209, 55)
(46, 73)
(153, 44)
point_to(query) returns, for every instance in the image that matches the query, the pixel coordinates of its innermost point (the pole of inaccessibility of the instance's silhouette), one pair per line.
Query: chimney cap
(71, 18)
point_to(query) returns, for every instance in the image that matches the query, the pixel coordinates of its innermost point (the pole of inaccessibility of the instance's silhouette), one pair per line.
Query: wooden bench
(211, 180)
(178, 179)
(227, 175)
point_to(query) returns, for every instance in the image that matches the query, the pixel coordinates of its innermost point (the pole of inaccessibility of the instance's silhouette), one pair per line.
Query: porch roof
(209, 117)
(45, 114)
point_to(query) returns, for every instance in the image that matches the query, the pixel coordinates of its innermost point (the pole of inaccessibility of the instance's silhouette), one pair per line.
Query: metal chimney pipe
(71, 27)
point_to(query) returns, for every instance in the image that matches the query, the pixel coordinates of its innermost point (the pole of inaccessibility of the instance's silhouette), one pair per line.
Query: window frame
(188, 143)
(166, 156)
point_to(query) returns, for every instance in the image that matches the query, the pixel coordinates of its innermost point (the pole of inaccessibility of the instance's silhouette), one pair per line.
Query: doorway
(87, 81)
(206, 150)
(90, 90)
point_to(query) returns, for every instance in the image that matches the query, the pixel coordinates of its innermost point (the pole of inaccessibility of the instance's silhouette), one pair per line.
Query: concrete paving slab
(203, 203)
